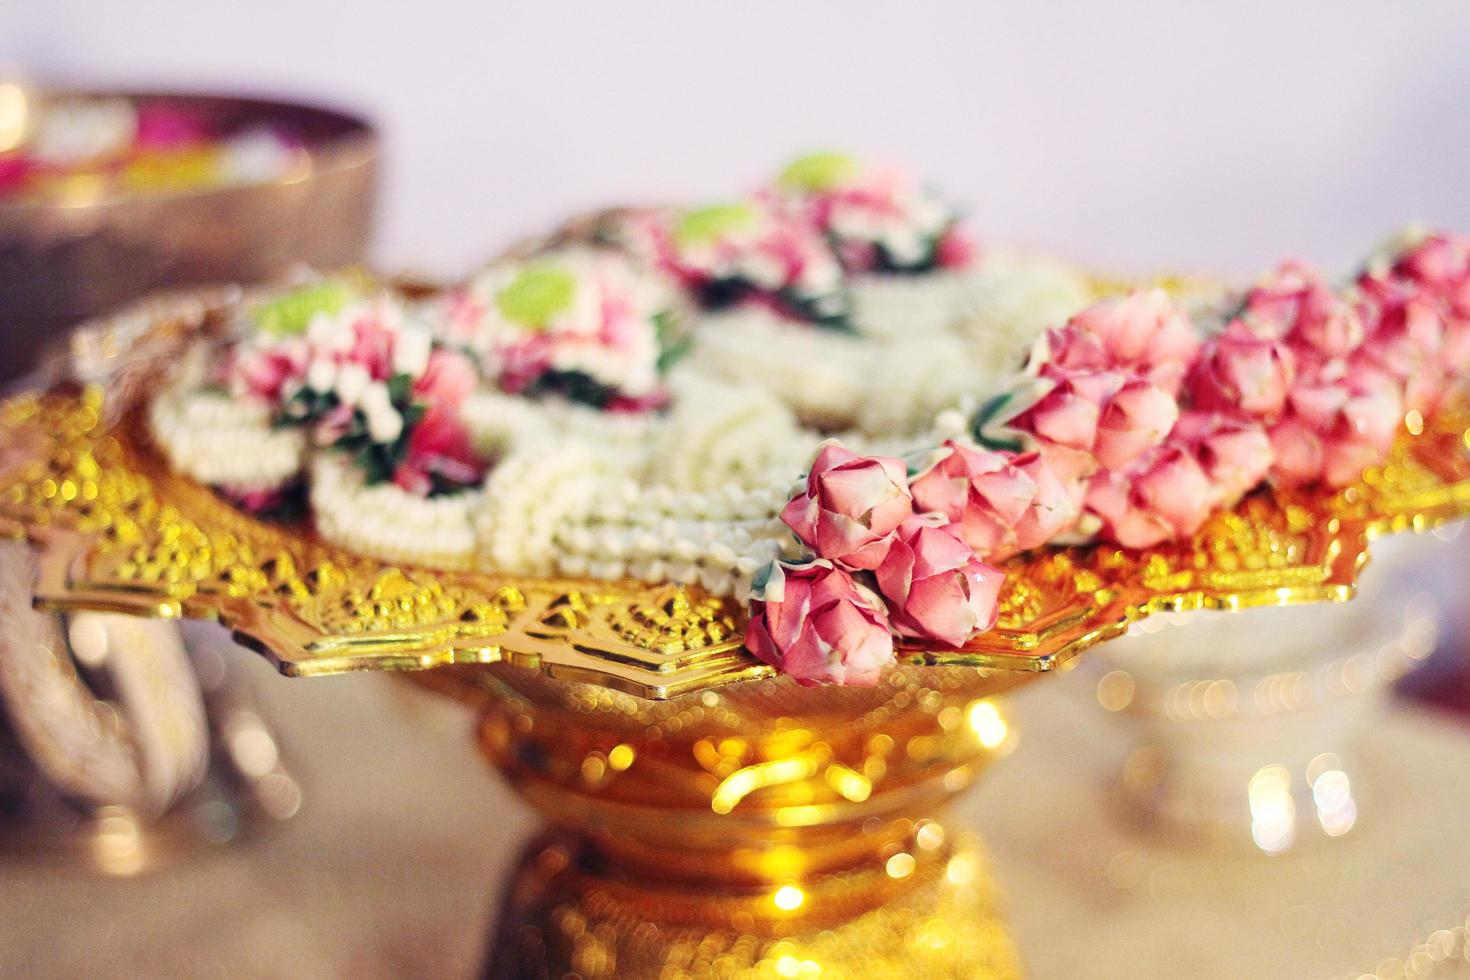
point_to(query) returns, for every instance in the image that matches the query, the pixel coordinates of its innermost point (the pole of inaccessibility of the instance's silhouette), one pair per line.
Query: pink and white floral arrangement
(877, 219)
(586, 324)
(1124, 427)
(742, 252)
(538, 419)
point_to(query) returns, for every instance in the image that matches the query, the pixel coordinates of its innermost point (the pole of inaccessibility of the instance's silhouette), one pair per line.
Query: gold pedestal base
(567, 913)
(764, 830)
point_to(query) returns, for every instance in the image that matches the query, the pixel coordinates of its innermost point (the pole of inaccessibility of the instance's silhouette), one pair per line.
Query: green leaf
(673, 341)
(289, 315)
(400, 388)
(703, 225)
(539, 293)
(818, 171)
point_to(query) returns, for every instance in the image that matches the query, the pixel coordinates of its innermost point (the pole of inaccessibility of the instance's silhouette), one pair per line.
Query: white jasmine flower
(411, 352)
(321, 375)
(375, 399)
(385, 425)
(352, 381)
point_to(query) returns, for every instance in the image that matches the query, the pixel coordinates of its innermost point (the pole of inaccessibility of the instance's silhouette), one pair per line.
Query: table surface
(394, 864)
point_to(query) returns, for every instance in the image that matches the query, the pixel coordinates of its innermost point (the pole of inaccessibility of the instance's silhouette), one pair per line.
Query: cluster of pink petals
(925, 544)
(1417, 317)
(935, 587)
(998, 503)
(1142, 423)
(823, 628)
(1300, 361)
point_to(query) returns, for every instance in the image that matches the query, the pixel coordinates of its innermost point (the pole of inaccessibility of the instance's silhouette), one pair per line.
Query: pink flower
(1104, 417)
(1334, 429)
(372, 346)
(1234, 453)
(1438, 270)
(1243, 372)
(998, 503)
(1405, 339)
(956, 250)
(264, 372)
(447, 380)
(1135, 419)
(821, 627)
(439, 447)
(1440, 265)
(851, 507)
(935, 586)
(1141, 333)
(164, 127)
(16, 170)
(1162, 497)
(1295, 303)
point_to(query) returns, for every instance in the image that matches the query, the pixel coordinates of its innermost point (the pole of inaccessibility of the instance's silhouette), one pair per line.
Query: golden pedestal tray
(712, 818)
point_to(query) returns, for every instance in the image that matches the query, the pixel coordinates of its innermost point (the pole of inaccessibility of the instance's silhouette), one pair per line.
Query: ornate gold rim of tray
(116, 530)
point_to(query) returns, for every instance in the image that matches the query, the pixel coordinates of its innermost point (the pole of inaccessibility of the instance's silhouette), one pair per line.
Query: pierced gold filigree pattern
(116, 530)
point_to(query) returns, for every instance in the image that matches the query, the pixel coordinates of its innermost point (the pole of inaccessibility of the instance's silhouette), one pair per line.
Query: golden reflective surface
(758, 830)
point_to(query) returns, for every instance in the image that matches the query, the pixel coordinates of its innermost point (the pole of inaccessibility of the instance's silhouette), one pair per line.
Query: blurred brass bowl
(67, 257)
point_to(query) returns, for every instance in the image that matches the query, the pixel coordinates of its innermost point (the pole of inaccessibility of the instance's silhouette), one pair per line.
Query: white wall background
(1126, 134)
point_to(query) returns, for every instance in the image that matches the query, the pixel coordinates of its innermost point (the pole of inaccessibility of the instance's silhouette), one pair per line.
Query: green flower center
(818, 171)
(704, 225)
(539, 293)
(290, 315)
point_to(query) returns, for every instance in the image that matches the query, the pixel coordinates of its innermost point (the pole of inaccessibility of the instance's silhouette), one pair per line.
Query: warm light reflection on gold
(740, 784)
(621, 756)
(901, 865)
(986, 722)
(14, 113)
(788, 898)
(852, 785)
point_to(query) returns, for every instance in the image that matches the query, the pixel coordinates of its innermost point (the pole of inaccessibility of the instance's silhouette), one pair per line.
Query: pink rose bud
(1163, 497)
(1068, 414)
(1333, 430)
(1134, 420)
(935, 586)
(1440, 264)
(1234, 453)
(851, 507)
(448, 379)
(1296, 304)
(998, 502)
(1243, 372)
(821, 627)
(1405, 339)
(1143, 333)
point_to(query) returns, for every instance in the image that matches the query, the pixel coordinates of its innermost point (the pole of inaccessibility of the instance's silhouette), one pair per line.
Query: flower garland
(1124, 426)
